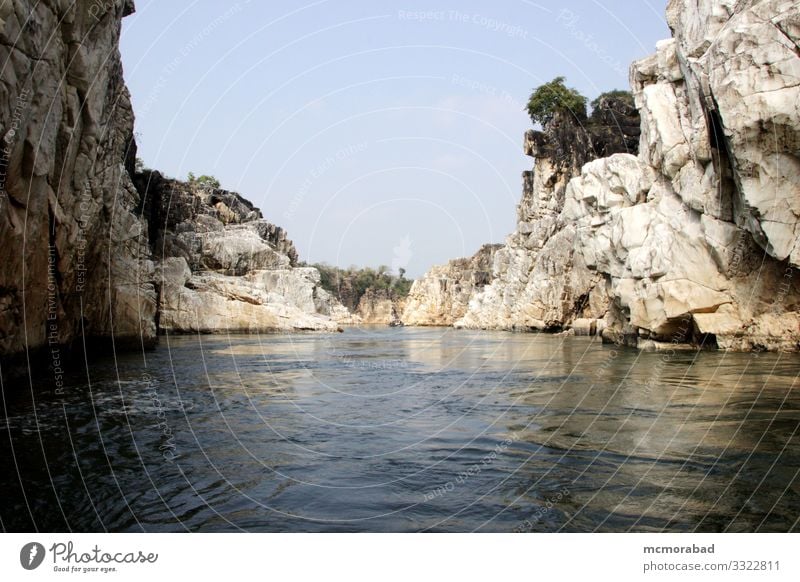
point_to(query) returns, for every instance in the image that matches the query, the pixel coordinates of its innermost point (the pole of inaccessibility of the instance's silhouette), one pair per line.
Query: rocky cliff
(535, 281)
(695, 239)
(221, 267)
(87, 254)
(76, 255)
(379, 307)
(442, 295)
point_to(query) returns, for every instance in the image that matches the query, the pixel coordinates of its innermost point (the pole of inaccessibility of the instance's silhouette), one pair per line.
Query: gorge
(691, 240)
(217, 382)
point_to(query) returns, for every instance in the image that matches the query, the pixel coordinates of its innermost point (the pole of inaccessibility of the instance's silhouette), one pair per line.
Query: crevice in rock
(580, 303)
(792, 42)
(723, 164)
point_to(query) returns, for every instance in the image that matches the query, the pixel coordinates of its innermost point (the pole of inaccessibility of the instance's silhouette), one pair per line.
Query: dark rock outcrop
(174, 208)
(77, 258)
(615, 126)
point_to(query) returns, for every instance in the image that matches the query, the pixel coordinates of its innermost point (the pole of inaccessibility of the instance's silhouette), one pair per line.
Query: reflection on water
(407, 430)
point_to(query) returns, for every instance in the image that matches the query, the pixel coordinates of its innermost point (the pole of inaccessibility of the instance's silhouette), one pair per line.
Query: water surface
(387, 429)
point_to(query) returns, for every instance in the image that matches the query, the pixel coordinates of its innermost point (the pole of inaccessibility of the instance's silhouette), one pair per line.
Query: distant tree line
(352, 283)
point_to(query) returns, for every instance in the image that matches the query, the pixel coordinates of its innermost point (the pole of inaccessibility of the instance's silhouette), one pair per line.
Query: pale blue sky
(375, 132)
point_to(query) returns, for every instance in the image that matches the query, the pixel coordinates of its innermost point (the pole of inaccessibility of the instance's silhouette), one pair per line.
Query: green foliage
(205, 181)
(402, 286)
(554, 97)
(358, 281)
(328, 275)
(618, 94)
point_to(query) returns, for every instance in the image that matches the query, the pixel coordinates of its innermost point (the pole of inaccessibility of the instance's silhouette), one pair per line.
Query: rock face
(221, 267)
(379, 307)
(441, 296)
(87, 254)
(76, 254)
(538, 281)
(710, 255)
(693, 241)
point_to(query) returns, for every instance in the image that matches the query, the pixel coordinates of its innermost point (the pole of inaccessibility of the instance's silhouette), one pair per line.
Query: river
(405, 429)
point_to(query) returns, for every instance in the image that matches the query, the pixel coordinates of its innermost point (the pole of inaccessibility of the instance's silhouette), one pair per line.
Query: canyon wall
(441, 296)
(694, 241)
(87, 254)
(76, 254)
(220, 267)
(379, 307)
(534, 281)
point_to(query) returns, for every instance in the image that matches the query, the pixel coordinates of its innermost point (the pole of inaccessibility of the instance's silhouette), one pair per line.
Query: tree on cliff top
(204, 181)
(625, 97)
(553, 97)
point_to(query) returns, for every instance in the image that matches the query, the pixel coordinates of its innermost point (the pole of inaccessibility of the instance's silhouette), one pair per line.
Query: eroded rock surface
(693, 241)
(76, 256)
(86, 253)
(220, 267)
(441, 296)
(379, 307)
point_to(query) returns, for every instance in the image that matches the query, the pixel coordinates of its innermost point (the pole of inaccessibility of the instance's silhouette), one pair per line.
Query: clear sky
(375, 132)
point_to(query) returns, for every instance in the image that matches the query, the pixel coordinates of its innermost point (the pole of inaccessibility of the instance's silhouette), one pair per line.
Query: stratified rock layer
(693, 241)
